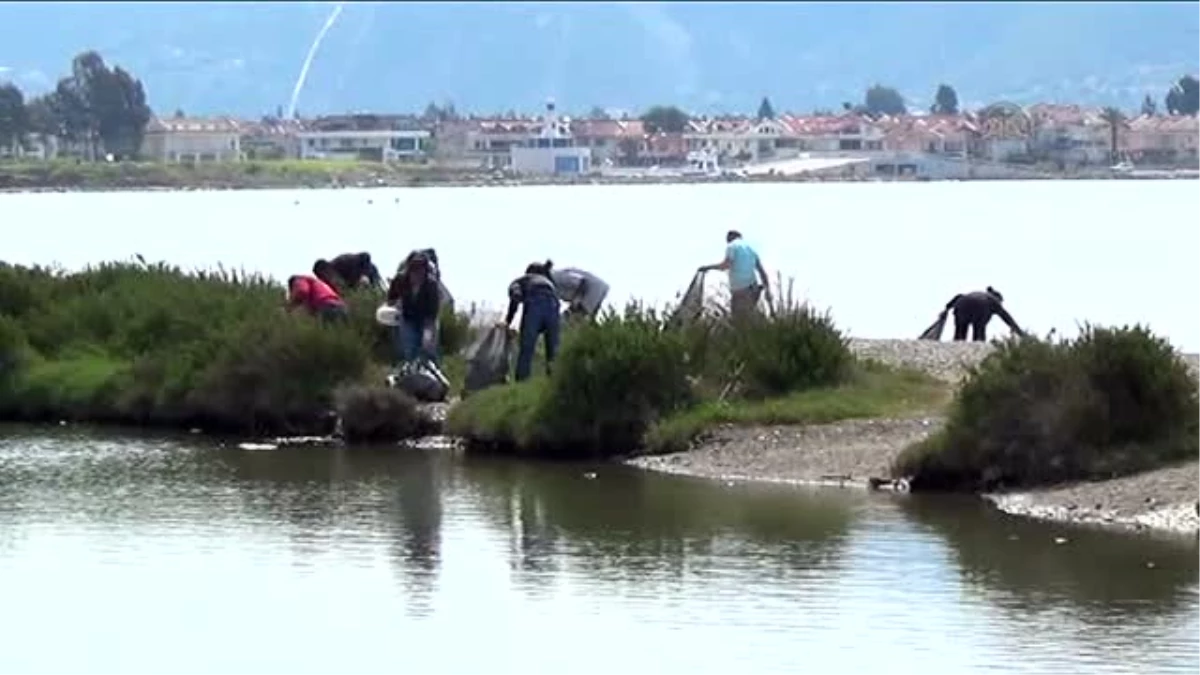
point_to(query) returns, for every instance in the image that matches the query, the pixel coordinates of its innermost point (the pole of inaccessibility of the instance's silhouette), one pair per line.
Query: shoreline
(70, 177)
(858, 452)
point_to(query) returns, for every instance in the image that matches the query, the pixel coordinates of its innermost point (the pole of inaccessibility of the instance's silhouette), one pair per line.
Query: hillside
(244, 58)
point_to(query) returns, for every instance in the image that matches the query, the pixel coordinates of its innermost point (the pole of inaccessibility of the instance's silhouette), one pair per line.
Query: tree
(945, 101)
(765, 111)
(1149, 107)
(630, 149)
(1115, 120)
(881, 100)
(1184, 97)
(99, 107)
(597, 113)
(665, 118)
(14, 118)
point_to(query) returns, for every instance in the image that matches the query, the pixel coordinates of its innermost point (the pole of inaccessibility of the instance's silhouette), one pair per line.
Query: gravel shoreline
(859, 452)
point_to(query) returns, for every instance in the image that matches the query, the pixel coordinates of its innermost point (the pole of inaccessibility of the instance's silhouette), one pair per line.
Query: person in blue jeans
(534, 292)
(418, 296)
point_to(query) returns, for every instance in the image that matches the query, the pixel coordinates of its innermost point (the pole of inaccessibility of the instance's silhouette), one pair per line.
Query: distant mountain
(243, 57)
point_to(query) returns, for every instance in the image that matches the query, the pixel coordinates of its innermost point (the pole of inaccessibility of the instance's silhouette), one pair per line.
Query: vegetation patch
(871, 390)
(1112, 402)
(152, 345)
(636, 381)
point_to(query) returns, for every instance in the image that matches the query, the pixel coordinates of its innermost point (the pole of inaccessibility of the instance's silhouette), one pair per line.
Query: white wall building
(187, 139)
(553, 151)
(380, 145)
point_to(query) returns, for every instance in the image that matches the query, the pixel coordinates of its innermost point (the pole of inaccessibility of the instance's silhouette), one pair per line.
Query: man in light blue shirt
(742, 263)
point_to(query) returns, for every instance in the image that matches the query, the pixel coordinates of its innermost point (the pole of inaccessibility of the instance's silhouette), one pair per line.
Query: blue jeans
(539, 316)
(406, 338)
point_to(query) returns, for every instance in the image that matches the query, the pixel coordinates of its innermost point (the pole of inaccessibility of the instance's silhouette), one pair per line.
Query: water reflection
(621, 524)
(1031, 563)
(153, 541)
(336, 493)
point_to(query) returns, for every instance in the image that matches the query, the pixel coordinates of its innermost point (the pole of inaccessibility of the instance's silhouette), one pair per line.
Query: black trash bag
(488, 359)
(934, 332)
(422, 380)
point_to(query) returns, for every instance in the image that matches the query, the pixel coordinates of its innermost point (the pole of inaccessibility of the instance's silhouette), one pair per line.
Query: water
(150, 555)
(884, 256)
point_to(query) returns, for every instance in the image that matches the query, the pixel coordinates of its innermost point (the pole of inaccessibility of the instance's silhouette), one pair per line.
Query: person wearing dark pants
(534, 292)
(973, 311)
(415, 290)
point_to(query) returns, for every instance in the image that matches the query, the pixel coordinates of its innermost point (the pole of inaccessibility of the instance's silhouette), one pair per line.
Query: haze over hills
(243, 58)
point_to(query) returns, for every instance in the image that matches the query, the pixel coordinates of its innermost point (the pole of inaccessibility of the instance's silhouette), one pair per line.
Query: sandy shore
(859, 452)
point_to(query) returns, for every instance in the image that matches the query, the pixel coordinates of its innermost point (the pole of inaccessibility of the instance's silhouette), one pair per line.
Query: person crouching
(534, 292)
(415, 291)
(316, 296)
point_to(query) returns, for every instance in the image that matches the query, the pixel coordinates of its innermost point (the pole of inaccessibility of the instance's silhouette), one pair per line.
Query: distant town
(100, 114)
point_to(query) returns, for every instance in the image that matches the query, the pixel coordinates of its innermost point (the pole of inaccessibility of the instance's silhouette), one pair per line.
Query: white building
(553, 151)
(379, 145)
(189, 139)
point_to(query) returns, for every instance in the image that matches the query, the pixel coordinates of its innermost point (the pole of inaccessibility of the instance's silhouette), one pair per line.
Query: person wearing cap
(415, 291)
(742, 263)
(975, 310)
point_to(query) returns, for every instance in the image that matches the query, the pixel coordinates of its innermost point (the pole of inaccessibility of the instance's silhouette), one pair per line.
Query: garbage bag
(488, 359)
(691, 306)
(934, 332)
(422, 380)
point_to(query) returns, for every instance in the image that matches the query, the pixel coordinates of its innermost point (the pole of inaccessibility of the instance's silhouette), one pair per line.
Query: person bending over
(583, 291)
(316, 296)
(534, 292)
(415, 292)
(974, 310)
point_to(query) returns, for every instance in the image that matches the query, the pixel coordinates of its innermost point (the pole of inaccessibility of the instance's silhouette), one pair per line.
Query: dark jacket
(352, 267)
(980, 306)
(421, 304)
(529, 287)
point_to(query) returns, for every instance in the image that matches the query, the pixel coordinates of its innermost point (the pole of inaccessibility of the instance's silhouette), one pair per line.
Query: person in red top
(316, 296)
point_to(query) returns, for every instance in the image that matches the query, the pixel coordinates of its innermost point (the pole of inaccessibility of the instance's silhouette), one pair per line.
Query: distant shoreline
(70, 176)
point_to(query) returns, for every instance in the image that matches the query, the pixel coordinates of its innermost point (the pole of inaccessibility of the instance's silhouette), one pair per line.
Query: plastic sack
(422, 380)
(691, 306)
(934, 332)
(488, 359)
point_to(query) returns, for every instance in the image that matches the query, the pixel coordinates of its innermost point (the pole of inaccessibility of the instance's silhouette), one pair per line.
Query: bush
(150, 344)
(377, 414)
(1109, 403)
(613, 378)
(793, 349)
(616, 378)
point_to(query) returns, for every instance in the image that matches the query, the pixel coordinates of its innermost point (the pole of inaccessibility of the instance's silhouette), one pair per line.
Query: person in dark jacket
(349, 270)
(974, 310)
(534, 292)
(415, 292)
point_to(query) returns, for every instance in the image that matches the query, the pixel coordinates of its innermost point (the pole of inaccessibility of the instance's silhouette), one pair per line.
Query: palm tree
(1115, 120)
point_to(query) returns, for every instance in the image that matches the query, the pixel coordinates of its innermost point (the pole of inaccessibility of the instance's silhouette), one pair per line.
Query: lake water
(178, 555)
(884, 256)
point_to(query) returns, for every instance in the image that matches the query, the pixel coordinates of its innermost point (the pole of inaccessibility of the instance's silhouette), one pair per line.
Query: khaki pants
(744, 302)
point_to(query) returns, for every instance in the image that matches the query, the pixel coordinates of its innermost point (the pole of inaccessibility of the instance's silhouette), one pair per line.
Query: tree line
(102, 109)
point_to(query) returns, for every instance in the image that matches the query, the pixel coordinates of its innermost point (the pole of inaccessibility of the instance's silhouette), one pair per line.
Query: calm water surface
(884, 256)
(149, 555)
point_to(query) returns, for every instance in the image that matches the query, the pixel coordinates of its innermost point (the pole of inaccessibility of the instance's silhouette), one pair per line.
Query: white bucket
(387, 315)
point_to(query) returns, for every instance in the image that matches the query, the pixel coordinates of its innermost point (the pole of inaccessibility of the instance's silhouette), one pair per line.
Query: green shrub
(374, 413)
(151, 344)
(1109, 403)
(612, 379)
(767, 355)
